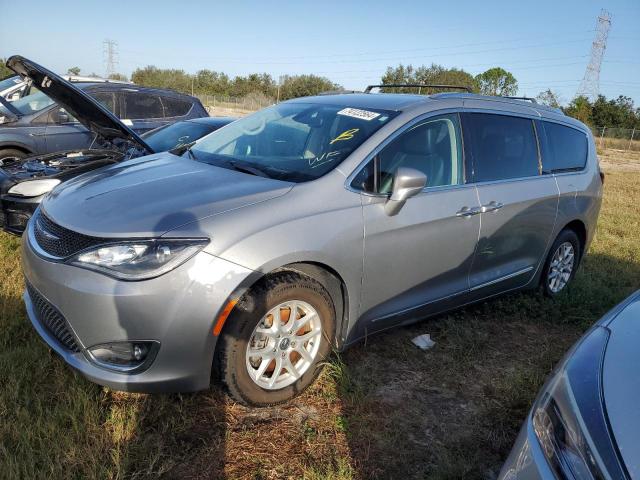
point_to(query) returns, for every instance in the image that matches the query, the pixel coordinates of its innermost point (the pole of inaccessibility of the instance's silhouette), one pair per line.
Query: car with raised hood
(305, 227)
(585, 422)
(25, 181)
(36, 124)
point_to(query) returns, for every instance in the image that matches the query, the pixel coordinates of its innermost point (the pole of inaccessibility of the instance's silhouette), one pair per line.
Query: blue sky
(545, 44)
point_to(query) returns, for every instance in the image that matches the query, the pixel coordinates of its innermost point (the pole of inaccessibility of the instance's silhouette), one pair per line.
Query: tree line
(617, 113)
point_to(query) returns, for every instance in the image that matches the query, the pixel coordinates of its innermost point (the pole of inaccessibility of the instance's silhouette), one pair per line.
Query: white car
(15, 87)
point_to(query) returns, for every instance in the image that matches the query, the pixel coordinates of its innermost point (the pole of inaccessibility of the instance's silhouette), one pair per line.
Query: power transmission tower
(110, 56)
(590, 85)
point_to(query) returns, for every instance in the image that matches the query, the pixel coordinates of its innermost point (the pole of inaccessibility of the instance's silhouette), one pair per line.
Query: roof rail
(417, 85)
(338, 92)
(526, 99)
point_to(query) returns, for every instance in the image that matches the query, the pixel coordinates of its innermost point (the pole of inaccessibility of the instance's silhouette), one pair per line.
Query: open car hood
(84, 108)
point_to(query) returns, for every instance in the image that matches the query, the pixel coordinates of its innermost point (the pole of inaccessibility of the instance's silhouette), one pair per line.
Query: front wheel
(275, 339)
(562, 263)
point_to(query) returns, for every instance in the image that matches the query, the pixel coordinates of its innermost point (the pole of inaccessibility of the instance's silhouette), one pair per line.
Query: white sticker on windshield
(357, 113)
(127, 122)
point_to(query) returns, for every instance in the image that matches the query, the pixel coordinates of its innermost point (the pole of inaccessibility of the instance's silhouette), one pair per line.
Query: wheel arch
(580, 229)
(328, 277)
(16, 146)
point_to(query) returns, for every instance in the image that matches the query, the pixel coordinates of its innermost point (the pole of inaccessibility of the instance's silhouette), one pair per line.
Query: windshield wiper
(179, 150)
(249, 169)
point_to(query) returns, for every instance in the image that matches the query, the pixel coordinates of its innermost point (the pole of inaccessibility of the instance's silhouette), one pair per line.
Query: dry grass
(381, 410)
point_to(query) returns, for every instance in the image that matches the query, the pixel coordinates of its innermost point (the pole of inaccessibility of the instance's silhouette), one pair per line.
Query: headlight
(569, 420)
(34, 188)
(139, 260)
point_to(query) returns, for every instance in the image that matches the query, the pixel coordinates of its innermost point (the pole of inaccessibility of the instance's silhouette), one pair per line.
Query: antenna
(590, 85)
(110, 56)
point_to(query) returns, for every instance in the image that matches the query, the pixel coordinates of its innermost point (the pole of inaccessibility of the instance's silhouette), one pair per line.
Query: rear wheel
(275, 340)
(8, 155)
(562, 263)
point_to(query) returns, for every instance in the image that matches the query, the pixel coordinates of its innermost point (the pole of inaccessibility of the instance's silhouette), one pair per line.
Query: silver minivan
(303, 228)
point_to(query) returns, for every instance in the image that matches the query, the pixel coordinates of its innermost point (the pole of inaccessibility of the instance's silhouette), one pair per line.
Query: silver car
(305, 227)
(585, 423)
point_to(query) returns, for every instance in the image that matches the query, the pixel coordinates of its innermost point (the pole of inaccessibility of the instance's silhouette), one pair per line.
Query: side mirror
(62, 116)
(407, 183)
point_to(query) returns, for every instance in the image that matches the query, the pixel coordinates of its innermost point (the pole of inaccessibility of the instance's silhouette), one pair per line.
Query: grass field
(383, 409)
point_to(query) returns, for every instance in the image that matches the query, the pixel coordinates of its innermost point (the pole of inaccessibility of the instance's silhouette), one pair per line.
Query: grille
(52, 320)
(59, 241)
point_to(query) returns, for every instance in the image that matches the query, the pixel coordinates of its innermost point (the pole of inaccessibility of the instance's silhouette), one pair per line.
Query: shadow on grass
(455, 410)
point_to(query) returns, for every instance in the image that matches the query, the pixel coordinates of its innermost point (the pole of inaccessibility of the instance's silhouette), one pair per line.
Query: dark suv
(39, 125)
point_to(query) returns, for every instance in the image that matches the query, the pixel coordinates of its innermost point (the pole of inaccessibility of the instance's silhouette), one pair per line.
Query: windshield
(174, 135)
(10, 82)
(291, 141)
(32, 103)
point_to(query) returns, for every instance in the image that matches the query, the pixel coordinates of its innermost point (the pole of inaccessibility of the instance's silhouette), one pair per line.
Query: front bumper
(15, 212)
(526, 460)
(177, 309)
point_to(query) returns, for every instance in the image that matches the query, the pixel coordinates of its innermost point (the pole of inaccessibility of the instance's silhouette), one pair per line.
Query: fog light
(123, 356)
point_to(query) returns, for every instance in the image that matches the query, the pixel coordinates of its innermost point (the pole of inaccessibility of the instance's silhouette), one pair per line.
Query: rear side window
(566, 148)
(174, 107)
(106, 99)
(502, 147)
(142, 105)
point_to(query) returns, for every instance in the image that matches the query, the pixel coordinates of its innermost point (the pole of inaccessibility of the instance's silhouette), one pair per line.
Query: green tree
(549, 98)
(4, 70)
(73, 71)
(580, 108)
(253, 83)
(431, 75)
(212, 83)
(118, 76)
(174, 79)
(304, 85)
(497, 81)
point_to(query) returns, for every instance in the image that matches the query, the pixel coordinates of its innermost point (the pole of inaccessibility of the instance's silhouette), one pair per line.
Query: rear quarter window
(142, 105)
(566, 148)
(175, 107)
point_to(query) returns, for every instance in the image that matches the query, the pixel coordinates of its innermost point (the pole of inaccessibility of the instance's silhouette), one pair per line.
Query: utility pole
(109, 56)
(590, 85)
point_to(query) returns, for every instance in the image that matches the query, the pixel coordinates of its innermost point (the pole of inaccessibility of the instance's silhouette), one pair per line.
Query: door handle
(468, 212)
(492, 206)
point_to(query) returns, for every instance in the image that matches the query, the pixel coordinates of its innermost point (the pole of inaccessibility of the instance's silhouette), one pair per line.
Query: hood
(89, 112)
(148, 196)
(621, 384)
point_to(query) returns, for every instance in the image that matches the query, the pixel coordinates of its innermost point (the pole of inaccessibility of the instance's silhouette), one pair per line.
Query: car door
(518, 203)
(65, 132)
(420, 257)
(141, 111)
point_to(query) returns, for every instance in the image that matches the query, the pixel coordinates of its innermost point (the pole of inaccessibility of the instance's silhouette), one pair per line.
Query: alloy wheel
(284, 345)
(561, 267)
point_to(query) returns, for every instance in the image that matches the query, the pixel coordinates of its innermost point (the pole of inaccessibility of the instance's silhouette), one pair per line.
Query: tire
(9, 153)
(259, 309)
(552, 269)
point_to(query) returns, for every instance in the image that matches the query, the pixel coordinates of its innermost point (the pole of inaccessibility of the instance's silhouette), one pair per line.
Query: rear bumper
(177, 309)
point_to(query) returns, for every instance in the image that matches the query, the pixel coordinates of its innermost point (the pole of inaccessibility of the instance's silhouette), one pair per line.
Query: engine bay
(57, 163)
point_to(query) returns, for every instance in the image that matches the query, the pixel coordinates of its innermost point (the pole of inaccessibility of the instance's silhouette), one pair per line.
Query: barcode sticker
(357, 113)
